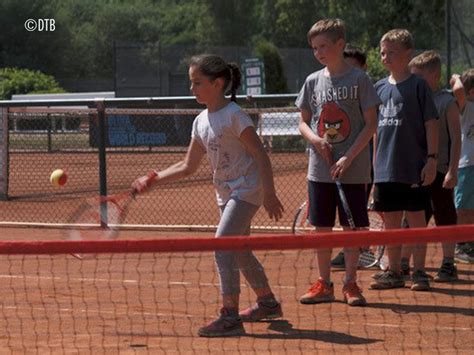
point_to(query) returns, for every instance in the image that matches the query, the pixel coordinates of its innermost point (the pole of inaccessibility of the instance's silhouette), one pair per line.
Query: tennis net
(134, 295)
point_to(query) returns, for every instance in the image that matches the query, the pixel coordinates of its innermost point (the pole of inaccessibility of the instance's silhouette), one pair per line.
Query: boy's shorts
(395, 196)
(464, 191)
(324, 198)
(442, 203)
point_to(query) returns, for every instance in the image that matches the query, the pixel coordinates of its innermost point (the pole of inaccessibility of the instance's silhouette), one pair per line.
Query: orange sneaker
(318, 293)
(353, 295)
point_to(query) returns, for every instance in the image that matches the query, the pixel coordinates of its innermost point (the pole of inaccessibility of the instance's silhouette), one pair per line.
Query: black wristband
(432, 156)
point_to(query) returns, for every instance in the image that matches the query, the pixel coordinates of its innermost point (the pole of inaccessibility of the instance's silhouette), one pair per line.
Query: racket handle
(151, 176)
(143, 183)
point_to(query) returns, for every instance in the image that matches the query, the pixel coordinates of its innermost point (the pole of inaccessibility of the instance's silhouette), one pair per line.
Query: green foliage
(375, 68)
(23, 81)
(275, 81)
(82, 44)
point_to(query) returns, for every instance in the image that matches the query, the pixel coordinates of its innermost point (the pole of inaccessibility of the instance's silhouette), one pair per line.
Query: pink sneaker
(260, 311)
(225, 326)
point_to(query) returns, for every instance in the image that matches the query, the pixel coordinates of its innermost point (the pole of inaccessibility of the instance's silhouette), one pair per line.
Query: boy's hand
(450, 180)
(453, 79)
(339, 168)
(273, 206)
(428, 173)
(325, 149)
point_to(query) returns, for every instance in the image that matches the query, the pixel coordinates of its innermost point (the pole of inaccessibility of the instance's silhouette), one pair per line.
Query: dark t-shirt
(443, 100)
(401, 136)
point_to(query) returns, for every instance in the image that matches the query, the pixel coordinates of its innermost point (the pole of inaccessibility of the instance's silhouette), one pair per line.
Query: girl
(243, 179)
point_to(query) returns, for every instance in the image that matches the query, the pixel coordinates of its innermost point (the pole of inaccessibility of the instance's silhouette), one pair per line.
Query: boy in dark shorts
(428, 66)
(341, 101)
(405, 154)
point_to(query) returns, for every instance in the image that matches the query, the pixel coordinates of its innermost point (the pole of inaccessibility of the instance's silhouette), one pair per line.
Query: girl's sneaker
(225, 326)
(261, 311)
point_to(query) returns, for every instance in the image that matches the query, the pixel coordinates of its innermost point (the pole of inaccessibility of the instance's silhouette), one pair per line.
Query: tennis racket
(301, 222)
(377, 224)
(372, 255)
(369, 256)
(99, 217)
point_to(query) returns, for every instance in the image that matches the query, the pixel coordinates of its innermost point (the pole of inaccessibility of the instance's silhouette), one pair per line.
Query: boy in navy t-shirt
(405, 154)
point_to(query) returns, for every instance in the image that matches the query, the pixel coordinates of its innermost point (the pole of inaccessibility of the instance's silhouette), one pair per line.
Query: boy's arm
(428, 173)
(321, 145)
(367, 133)
(454, 130)
(458, 91)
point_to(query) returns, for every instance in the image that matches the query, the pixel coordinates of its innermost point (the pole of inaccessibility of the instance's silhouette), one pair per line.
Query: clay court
(154, 303)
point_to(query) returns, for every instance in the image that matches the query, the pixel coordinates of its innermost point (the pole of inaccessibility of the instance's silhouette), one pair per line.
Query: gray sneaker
(447, 273)
(405, 268)
(261, 311)
(386, 280)
(464, 253)
(421, 281)
(224, 326)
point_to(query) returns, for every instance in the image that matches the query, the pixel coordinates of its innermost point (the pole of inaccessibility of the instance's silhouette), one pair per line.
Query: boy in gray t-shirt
(428, 66)
(341, 102)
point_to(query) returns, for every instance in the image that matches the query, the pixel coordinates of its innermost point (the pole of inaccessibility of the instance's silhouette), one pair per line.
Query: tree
(275, 82)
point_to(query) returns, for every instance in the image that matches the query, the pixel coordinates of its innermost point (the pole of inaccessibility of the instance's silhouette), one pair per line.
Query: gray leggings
(236, 217)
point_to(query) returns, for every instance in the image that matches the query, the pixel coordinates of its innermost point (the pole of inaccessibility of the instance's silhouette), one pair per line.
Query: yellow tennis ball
(58, 177)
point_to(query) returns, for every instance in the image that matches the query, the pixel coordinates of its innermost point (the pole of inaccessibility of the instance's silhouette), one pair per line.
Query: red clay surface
(154, 303)
(190, 203)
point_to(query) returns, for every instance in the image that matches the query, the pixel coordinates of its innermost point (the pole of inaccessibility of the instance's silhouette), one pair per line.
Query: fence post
(102, 159)
(50, 123)
(4, 157)
(447, 20)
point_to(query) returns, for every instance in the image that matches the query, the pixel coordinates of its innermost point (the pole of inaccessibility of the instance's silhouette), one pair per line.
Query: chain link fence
(137, 136)
(156, 70)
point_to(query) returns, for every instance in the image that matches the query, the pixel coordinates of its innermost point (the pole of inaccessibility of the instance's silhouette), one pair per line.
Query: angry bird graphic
(334, 124)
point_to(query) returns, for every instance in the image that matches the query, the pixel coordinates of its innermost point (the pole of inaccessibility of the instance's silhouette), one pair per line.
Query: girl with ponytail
(243, 179)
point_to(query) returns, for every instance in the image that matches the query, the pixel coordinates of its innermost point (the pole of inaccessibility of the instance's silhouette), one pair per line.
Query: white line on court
(128, 281)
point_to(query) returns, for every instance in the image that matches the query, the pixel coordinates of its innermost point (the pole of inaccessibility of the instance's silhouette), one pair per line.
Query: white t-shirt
(467, 135)
(234, 170)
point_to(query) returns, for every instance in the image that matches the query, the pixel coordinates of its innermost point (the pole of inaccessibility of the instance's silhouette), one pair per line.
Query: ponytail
(235, 80)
